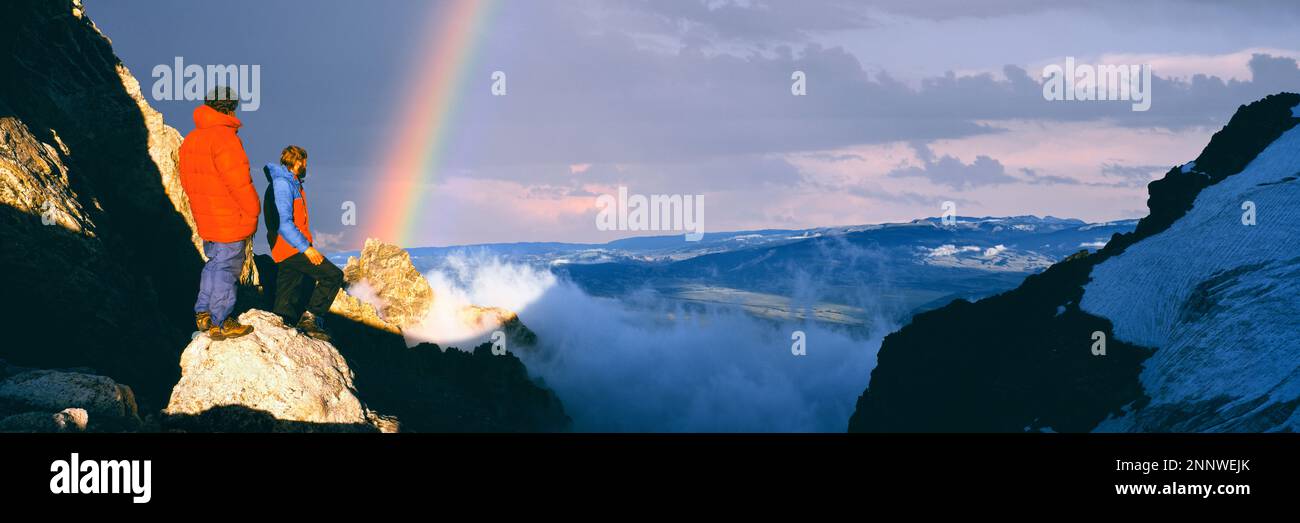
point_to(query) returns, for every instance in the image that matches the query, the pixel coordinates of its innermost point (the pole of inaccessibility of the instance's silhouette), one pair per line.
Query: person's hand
(314, 255)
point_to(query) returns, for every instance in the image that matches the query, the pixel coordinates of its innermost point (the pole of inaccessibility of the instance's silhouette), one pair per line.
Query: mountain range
(842, 275)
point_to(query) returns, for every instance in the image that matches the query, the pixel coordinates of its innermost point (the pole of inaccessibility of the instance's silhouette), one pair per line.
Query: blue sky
(909, 104)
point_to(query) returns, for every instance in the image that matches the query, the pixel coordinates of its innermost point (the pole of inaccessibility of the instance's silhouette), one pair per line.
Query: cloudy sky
(909, 104)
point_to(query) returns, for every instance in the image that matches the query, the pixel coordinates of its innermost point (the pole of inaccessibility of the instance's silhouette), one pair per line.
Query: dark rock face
(1021, 361)
(109, 283)
(1003, 364)
(429, 389)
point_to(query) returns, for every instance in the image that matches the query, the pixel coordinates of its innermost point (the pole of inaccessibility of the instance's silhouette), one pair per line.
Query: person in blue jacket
(297, 261)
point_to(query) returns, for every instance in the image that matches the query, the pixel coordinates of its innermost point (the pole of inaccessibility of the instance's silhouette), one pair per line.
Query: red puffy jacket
(214, 173)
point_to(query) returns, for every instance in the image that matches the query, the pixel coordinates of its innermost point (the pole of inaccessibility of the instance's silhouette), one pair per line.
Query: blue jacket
(286, 187)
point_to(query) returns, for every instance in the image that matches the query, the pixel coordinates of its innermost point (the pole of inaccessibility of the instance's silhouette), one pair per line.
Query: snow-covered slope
(1218, 300)
(1198, 307)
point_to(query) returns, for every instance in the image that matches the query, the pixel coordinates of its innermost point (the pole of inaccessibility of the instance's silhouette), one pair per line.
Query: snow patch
(949, 249)
(1217, 300)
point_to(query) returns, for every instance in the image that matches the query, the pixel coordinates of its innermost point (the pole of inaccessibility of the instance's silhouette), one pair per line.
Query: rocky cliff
(402, 292)
(1023, 361)
(100, 264)
(99, 259)
(402, 298)
(68, 400)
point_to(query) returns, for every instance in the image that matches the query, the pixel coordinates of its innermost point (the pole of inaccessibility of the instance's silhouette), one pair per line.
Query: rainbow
(427, 117)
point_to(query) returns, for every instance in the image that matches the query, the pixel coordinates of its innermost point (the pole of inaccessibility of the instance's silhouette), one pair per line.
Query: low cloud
(645, 363)
(1032, 177)
(951, 172)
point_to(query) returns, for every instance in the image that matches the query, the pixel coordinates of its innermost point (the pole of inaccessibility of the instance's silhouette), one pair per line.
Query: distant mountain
(844, 275)
(1196, 307)
(675, 248)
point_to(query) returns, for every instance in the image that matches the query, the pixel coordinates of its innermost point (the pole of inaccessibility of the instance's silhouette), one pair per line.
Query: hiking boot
(230, 329)
(203, 320)
(214, 333)
(311, 326)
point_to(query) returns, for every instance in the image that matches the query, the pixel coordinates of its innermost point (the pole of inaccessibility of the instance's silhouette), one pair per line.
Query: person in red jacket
(214, 173)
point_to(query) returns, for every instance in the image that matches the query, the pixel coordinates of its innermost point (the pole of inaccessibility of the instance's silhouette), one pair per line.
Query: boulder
(275, 379)
(67, 420)
(111, 405)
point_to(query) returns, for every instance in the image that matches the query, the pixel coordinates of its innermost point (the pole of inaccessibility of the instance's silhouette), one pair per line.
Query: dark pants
(291, 276)
(217, 282)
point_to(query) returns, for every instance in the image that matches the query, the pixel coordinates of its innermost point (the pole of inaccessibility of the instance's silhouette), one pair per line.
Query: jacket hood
(274, 170)
(205, 117)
